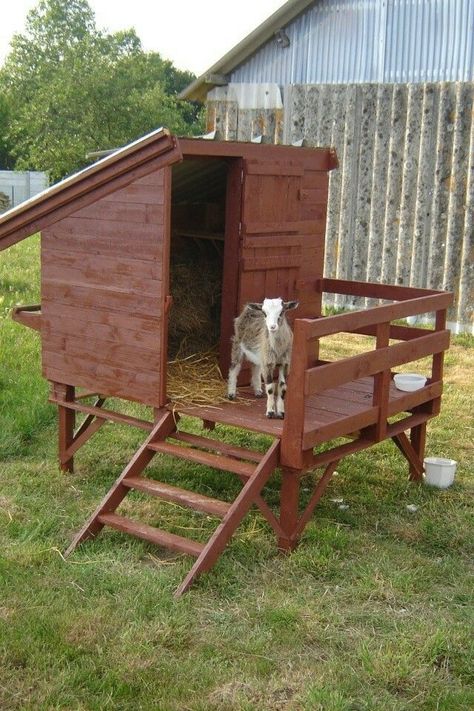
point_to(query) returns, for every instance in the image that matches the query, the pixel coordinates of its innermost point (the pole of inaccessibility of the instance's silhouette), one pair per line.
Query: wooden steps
(252, 468)
(216, 461)
(184, 497)
(152, 534)
(216, 446)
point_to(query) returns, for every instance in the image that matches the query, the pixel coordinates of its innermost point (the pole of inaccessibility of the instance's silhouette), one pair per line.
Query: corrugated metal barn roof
(355, 41)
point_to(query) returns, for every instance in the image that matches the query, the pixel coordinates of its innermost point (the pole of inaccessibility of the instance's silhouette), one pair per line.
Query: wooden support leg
(410, 454)
(66, 423)
(289, 503)
(418, 442)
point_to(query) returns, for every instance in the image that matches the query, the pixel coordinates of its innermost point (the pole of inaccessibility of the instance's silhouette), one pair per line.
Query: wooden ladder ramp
(253, 469)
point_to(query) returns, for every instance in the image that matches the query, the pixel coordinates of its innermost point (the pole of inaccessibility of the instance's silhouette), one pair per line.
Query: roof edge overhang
(157, 149)
(198, 89)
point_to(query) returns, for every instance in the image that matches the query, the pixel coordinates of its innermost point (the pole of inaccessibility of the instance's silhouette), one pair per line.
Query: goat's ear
(254, 307)
(288, 305)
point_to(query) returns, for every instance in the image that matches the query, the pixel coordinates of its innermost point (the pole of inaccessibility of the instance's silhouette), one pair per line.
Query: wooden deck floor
(334, 413)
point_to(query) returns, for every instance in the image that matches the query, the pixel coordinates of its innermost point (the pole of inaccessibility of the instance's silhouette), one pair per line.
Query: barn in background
(390, 86)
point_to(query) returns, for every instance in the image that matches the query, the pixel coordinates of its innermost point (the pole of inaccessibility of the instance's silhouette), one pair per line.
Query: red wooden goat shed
(107, 236)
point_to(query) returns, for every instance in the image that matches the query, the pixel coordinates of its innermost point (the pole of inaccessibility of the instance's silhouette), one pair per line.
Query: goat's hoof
(231, 396)
(259, 393)
(271, 415)
(280, 415)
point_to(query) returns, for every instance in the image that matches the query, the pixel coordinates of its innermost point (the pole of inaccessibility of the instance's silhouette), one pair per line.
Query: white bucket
(439, 472)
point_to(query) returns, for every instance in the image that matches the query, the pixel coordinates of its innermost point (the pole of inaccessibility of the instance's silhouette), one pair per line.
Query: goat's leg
(280, 403)
(234, 371)
(270, 388)
(257, 380)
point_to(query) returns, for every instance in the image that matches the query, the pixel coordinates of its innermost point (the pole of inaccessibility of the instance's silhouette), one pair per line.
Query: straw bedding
(196, 283)
(196, 380)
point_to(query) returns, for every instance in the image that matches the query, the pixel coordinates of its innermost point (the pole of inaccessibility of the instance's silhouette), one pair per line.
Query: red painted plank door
(282, 232)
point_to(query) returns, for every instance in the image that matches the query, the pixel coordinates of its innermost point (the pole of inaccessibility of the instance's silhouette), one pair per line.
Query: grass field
(374, 610)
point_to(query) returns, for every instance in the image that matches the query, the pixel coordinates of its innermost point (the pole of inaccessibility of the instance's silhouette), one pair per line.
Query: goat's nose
(273, 327)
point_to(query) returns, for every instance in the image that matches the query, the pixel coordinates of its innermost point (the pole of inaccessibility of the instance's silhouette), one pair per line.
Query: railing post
(382, 384)
(293, 425)
(437, 366)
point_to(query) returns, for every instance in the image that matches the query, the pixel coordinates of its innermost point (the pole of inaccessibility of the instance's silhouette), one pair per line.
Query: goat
(262, 334)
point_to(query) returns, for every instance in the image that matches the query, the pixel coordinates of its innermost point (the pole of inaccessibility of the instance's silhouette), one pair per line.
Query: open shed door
(282, 232)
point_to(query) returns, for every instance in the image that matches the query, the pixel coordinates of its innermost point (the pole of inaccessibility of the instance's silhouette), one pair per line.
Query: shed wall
(104, 283)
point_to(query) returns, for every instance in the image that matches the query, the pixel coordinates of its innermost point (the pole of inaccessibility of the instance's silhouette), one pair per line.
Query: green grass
(372, 612)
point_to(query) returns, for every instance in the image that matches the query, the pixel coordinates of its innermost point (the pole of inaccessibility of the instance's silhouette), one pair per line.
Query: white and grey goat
(263, 336)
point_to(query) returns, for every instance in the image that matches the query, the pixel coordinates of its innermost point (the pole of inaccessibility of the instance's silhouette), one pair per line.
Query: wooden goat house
(111, 236)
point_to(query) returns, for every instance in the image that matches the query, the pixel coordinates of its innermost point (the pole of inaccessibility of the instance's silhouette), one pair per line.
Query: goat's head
(274, 311)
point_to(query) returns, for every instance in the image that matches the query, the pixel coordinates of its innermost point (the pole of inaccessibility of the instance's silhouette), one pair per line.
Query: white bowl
(409, 381)
(439, 472)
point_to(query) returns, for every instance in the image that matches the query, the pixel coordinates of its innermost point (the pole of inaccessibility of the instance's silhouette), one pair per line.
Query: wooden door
(282, 232)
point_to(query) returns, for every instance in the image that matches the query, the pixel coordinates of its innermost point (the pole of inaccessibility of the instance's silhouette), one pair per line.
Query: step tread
(216, 446)
(216, 461)
(152, 534)
(191, 499)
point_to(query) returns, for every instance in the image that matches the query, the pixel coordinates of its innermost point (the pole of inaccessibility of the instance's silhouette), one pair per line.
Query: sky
(193, 34)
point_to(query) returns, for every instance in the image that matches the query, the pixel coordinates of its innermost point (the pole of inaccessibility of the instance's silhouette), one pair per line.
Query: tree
(72, 89)
(6, 160)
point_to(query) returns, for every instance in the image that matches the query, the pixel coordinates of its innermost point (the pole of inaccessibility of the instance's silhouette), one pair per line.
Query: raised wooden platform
(335, 412)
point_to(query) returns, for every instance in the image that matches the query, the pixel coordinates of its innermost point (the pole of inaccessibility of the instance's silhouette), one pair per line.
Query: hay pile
(196, 380)
(195, 285)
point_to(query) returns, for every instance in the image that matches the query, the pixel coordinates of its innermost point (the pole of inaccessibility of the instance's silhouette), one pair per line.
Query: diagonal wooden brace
(409, 452)
(163, 427)
(317, 494)
(88, 428)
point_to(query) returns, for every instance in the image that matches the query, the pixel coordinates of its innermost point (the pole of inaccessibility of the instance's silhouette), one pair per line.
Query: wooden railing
(309, 376)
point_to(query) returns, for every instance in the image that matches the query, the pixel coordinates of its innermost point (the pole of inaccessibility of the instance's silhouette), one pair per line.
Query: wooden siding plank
(138, 193)
(316, 180)
(57, 324)
(273, 167)
(264, 264)
(98, 263)
(141, 377)
(104, 211)
(98, 351)
(142, 247)
(116, 230)
(91, 277)
(146, 393)
(125, 301)
(110, 388)
(101, 315)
